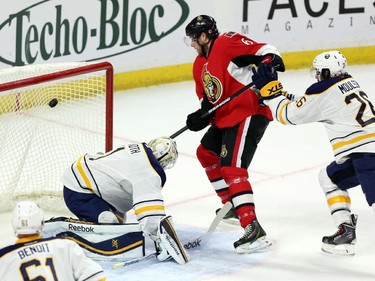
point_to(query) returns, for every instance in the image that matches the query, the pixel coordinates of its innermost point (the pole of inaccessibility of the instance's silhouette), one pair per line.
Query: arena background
(143, 39)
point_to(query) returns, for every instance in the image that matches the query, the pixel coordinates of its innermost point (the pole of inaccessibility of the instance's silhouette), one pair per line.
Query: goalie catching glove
(167, 243)
(265, 80)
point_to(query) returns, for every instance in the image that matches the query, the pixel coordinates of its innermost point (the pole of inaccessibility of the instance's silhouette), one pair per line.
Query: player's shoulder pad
(229, 34)
(321, 86)
(16, 246)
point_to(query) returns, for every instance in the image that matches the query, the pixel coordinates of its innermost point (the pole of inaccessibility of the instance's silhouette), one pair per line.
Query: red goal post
(49, 115)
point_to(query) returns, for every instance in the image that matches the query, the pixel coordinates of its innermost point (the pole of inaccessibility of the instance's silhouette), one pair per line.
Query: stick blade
(220, 215)
(205, 237)
(133, 261)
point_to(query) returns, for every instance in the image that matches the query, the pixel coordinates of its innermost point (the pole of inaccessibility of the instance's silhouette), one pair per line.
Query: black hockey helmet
(202, 23)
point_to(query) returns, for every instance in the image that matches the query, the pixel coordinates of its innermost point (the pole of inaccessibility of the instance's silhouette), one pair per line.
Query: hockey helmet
(334, 61)
(165, 151)
(27, 218)
(202, 23)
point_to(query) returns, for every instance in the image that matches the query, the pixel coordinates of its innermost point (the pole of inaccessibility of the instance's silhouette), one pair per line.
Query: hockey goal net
(49, 115)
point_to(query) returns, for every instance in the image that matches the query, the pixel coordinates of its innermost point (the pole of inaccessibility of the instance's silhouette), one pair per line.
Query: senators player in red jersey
(222, 67)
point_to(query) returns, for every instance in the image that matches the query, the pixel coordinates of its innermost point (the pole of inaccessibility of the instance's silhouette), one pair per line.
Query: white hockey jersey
(340, 104)
(127, 177)
(37, 258)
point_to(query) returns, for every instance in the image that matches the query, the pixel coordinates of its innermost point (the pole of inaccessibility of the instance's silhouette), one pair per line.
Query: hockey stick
(189, 245)
(133, 261)
(228, 99)
(205, 237)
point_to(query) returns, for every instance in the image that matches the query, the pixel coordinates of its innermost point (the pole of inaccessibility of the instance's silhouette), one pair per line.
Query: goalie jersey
(346, 111)
(127, 177)
(47, 259)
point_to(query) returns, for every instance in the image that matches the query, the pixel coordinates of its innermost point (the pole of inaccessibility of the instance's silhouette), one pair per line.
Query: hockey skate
(231, 217)
(343, 241)
(253, 240)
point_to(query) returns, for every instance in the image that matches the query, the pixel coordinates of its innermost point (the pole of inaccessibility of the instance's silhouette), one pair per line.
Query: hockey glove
(274, 60)
(265, 80)
(195, 122)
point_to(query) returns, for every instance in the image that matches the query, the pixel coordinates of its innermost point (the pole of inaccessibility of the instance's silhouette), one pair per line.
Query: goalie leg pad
(169, 241)
(100, 242)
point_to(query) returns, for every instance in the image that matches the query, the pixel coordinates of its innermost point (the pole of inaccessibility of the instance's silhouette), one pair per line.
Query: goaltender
(101, 188)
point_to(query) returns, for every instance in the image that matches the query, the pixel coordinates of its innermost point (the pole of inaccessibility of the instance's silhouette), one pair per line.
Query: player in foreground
(37, 258)
(101, 188)
(338, 101)
(223, 67)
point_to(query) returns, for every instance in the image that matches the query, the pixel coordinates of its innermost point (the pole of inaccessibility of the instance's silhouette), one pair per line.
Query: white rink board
(143, 34)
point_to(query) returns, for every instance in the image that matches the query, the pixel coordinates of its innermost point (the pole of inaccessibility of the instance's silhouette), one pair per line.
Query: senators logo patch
(212, 86)
(224, 151)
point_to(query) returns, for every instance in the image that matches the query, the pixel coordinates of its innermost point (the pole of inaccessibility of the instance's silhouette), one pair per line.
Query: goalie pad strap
(170, 241)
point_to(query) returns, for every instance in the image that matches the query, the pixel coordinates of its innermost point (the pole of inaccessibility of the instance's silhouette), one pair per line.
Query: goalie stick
(133, 261)
(188, 245)
(228, 99)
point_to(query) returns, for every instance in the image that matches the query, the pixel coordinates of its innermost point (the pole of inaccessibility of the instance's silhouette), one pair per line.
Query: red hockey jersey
(219, 76)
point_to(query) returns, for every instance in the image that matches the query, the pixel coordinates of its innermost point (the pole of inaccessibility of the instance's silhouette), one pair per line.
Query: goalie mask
(27, 218)
(165, 151)
(328, 64)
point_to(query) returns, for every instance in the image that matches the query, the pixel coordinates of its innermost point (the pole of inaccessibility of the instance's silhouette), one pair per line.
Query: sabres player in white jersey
(348, 114)
(101, 188)
(37, 258)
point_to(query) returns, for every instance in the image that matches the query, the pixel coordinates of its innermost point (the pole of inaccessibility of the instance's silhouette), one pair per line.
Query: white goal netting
(49, 115)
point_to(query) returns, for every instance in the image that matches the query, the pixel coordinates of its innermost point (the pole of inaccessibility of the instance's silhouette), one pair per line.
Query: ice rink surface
(290, 205)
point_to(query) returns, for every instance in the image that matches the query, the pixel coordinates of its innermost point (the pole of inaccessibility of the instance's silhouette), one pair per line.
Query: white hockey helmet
(27, 218)
(165, 151)
(334, 61)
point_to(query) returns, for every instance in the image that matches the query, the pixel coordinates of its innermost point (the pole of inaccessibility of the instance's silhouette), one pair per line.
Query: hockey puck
(53, 102)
